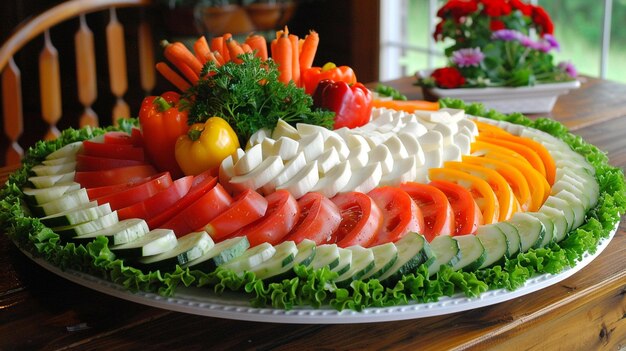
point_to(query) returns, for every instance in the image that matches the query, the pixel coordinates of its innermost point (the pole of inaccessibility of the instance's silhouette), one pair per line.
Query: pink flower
(568, 68)
(468, 57)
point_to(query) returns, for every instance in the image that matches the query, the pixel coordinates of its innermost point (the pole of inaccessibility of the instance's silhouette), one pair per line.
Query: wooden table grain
(40, 311)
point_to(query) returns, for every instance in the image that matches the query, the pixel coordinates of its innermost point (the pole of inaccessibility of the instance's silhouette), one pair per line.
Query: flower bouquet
(502, 46)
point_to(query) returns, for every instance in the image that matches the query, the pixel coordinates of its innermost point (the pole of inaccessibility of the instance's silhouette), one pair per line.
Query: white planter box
(535, 99)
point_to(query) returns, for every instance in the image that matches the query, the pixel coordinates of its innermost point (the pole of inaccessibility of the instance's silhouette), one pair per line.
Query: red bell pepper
(352, 104)
(161, 124)
(312, 76)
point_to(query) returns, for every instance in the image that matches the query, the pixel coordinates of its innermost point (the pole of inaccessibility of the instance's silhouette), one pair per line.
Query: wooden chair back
(50, 78)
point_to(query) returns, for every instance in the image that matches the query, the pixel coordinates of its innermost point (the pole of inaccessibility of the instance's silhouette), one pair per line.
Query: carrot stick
(246, 48)
(172, 76)
(219, 58)
(408, 106)
(295, 59)
(259, 44)
(202, 50)
(282, 54)
(234, 50)
(179, 50)
(219, 44)
(309, 48)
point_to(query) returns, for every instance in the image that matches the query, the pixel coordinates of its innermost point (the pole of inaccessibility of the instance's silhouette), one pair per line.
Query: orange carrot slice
(173, 77)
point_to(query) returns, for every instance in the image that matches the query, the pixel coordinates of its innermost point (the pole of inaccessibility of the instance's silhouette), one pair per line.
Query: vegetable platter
(248, 189)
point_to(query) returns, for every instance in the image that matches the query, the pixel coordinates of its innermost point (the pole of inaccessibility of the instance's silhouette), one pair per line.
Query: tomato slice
(120, 151)
(117, 137)
(247, 207)
(159, 202)
(400, 214)
(280, 218)
(201, 184)
(101, 191)
(319, 219)
(435, 207)
(128, 174)
(137, 193)
(95, 163)
(201, 212)
(467, 215)
(502, 190)
(361, 219)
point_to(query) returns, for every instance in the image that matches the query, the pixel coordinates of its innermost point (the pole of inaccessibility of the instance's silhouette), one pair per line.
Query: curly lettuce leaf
(316, 288)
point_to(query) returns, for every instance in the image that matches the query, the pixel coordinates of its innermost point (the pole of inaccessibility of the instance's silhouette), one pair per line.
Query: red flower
(448, 77)
(458, 8)
(542, 20)
(524, 8)
(495, 8)
(438, 33)
(495, 25)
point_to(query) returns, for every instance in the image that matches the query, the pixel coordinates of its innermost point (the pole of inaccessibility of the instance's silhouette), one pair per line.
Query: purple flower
(552, 42)
(506, 35)
(468, 57)
(568, 68)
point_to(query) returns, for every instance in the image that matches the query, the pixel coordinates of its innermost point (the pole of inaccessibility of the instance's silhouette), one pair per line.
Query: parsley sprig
(250, 97)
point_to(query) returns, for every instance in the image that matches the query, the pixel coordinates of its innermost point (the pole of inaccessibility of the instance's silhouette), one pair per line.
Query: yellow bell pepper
(205, 146)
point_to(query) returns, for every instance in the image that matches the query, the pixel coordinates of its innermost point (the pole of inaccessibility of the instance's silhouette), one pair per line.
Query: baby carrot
(246, 48)
(172, 76)
(309, 48)
(259, 44)
(234, 50)
(408, 106)
(282, 54)
(295, 59)
(202, 50)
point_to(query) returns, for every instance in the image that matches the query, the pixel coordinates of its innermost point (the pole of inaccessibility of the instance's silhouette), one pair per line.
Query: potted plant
(500, 54)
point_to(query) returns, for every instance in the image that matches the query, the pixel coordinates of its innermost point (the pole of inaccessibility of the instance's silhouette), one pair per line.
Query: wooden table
(587, 311)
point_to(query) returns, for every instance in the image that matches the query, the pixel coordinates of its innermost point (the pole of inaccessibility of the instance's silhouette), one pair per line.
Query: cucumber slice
(307, 250)
(385, 256)
(68, 201)
(557, 217)
(222, 252)
(155, 242)
(562, 205)
(472, 252)
(281, 262)
(81, 214)
(43, 170)
(495, 243)
(98, 224)
(119, 233)
(531, 230)
(590, 184)
(548, 224)
(512, 237)
(189, 247)
(362, 263)
(577, 206)
(345, 261)
(68, 150)
(326, 255)
(445, 251)
(412, 251)
(51, 180)
(41, 196)
(570, 186)
(253, 257)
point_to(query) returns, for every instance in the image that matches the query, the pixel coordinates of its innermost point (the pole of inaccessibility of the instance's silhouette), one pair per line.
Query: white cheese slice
(303, 182)
(364, 179)
(334, 180)
(261, 175)
(395, 146)
(285, 129)
(327, 160)
(404, 170)
(290, 169)
(412, 146)
(257, 137)
(470, 125)
(431, 140)
(359, 156)
(286, 148)
(463, 142)
(382, 155)
(312, 145)
(338, 144)
(249, 161)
